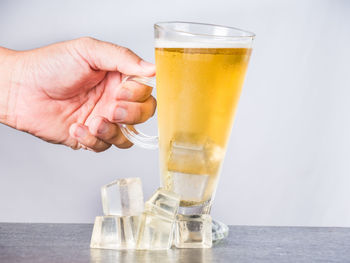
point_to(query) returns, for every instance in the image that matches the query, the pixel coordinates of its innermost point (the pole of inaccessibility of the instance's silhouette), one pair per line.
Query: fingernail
(119, 114)
(147, 65)
(80, 132)
(102, 128)
(124, 94)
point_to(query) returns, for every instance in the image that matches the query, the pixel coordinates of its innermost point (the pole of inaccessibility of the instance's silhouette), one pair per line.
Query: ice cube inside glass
(192, 171)
(123, 197)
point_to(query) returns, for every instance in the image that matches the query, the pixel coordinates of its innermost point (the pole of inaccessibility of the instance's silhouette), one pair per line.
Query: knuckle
(85, 45)
(86, 41)
(124, 50)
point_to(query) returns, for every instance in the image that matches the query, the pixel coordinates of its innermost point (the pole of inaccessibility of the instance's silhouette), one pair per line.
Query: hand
(70, 93)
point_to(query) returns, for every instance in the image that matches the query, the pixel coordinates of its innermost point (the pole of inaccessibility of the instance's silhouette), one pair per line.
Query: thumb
(110, 57)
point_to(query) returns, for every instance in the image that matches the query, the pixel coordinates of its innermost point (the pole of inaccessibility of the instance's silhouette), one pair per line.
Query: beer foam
(204, 44)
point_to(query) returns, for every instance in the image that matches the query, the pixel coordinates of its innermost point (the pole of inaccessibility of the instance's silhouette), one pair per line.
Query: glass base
(219, 231)
(202, 208)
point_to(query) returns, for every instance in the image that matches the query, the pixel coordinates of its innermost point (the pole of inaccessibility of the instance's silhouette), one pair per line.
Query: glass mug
(200, 69)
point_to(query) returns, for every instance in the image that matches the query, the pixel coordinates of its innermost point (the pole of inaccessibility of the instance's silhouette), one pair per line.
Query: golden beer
(198, 90)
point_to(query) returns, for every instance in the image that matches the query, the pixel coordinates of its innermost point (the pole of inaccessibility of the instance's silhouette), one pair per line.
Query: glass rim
(161, 25)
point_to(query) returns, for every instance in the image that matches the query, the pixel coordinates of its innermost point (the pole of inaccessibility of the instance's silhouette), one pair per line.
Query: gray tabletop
(70, 243)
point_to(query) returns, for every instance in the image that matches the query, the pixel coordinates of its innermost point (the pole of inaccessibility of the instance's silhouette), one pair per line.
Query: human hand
(71, 93)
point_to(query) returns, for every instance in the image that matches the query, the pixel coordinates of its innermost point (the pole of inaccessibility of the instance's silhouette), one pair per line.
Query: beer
(198, 90)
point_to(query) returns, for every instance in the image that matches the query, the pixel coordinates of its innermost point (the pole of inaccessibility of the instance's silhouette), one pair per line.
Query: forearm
(7, 68)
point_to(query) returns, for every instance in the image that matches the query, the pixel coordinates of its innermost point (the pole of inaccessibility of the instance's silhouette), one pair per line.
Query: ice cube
(187, 158)
(193, 231)
(163, 203)
(192, 167)
(123, 197)
(191, 187)
(155, 232)
(115, 232)
(187, 170)
(157, 221)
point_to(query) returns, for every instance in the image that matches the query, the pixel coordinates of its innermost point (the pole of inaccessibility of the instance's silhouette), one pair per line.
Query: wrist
(7, 86)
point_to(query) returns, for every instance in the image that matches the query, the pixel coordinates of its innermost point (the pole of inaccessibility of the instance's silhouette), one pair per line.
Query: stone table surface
(25, 242)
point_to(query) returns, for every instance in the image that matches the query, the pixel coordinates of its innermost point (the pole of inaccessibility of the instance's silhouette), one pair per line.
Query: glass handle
(130, 132)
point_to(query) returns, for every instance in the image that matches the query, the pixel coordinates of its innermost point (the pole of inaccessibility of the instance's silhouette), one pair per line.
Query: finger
(81, 133)
(125, 145)
(133, 91)
(108, 132)
(132, 112)
(110, 57)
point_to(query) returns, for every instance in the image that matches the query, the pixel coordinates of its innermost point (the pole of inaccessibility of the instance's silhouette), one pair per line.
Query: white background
(288, 161)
